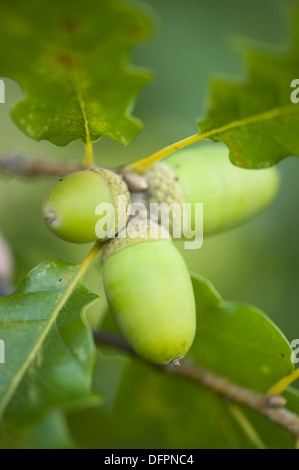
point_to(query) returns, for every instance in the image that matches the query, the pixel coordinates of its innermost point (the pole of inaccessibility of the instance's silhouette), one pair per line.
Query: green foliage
(256, 119)
(238, 341)
(160, 412)
(49, 348)
(272, 435)
(50, 432)
(234, 340)
(164, 412)
(72, 65)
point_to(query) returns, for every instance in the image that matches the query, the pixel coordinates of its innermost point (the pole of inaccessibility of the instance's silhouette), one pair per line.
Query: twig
(37, 167)
(21, 166)
(280, 386)
(215, 383)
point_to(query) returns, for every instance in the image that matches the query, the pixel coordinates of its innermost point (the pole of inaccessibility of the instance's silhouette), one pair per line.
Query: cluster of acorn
(146, 280)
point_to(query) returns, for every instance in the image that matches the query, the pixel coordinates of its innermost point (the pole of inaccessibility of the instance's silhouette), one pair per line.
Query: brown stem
(230, 391)
(37, 167)
(21, 166)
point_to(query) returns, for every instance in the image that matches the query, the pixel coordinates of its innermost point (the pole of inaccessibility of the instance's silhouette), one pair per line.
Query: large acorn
(204, 174)
(149, 292)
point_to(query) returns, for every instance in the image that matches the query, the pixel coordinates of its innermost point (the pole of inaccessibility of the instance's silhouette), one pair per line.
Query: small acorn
(69, 208)
(149, 292)
(204, 174)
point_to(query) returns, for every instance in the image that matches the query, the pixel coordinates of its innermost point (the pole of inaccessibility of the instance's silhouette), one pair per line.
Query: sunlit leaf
(71, 59)
(49, 350)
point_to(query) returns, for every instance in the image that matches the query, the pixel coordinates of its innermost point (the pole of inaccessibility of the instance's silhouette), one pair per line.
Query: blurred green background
(257, 263)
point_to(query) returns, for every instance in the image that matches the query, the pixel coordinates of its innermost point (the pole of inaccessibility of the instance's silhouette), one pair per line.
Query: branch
(37, 167)
(269, 406)
(21, 166)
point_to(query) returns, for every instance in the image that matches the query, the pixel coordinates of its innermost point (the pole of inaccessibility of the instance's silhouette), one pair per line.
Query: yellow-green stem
(89, 160)
(89, 258)
(141, 166)
(280, 386)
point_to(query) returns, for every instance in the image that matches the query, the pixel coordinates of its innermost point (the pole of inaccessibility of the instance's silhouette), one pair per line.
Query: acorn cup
(69, 208)
(150, 294)
(204, 174)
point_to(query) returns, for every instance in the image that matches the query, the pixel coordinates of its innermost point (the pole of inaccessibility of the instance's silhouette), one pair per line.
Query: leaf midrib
(253, 119)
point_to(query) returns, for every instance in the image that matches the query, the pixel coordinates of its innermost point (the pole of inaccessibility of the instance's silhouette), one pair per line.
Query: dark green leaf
(257, 119)
(71, 60)
(50, 432)
(150, 409)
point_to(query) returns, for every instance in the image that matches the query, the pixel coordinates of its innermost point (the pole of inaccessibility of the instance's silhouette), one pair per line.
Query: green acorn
(149, 292)
(69, 208)
(204, 174)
